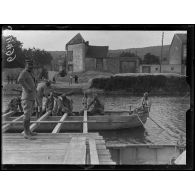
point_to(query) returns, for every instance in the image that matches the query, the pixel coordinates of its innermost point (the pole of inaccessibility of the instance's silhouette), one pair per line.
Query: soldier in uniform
(28, 83)
(14, 105)
(96, 107)
(43, 90)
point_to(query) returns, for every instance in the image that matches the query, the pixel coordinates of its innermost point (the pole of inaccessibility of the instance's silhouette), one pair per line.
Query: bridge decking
(57, 148)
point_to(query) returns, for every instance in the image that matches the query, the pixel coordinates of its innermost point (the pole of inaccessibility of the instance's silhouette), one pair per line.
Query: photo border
(112, 27)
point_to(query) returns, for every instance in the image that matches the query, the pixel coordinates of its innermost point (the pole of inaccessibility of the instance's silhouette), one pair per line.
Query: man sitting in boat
(85, 104)
(49, 104)
(14, 105)
(96, 107)
(62, 105)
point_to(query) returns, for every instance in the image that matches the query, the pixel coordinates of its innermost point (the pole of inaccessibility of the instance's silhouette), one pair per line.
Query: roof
(76, 40)
(97, 51)
(182, 37)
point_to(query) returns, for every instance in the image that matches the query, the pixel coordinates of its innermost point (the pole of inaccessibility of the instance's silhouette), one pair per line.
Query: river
(169, 112)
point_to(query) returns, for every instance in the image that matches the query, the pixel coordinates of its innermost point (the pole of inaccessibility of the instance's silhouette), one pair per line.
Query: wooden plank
(7, 114)
(93, 152)
(42, 122)
(76, 152)
(35, 125)
(85, 126)
(59, 125)
(7, 126)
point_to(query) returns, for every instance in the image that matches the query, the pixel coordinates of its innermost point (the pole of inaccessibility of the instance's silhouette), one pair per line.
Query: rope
(140, 120)
(157, 124)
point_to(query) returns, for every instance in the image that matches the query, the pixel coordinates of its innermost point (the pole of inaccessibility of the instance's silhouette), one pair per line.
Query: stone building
(84, 57)
(177, 54)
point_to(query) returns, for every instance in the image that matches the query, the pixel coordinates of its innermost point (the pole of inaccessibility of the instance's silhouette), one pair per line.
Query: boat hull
(110, 121)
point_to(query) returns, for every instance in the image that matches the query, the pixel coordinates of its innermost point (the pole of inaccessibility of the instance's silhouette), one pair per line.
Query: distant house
(177, 54)
(149, 68)
(83, 57)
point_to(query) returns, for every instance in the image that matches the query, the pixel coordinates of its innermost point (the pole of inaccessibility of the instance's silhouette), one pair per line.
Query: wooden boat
(111, 120)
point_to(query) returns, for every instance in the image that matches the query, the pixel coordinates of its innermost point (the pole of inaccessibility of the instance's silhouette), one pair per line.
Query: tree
(13, 56)
(127, 54)
(41, 58)
(151, 59)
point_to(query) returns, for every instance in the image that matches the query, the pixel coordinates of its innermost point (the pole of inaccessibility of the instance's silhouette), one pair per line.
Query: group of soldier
(32, 100)
(11, 79)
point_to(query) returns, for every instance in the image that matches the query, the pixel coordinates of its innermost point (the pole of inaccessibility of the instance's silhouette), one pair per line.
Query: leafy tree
(12, 53)
(41, 58)
(151, 59)
(127, 54)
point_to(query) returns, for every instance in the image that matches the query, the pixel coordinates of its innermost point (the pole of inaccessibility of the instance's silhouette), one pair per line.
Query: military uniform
(42, 91)
(14, 104)
(97, 107)
(27, 80)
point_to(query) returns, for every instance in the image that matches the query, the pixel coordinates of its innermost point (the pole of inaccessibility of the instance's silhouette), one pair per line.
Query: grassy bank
(168, 84)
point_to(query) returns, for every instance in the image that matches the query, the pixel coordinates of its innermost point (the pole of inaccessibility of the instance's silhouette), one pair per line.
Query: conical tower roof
(76, 40)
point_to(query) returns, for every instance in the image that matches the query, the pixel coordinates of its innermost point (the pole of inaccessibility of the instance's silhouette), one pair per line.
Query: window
(70, 67)
(70, 55)
(172, 68)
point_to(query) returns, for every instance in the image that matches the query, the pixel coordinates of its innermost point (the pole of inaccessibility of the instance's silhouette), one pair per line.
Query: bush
(142, 83)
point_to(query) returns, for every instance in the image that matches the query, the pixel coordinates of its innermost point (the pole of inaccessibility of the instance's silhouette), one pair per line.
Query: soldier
(27, 80)
(43, 90)
(96, 107)
(14, 105)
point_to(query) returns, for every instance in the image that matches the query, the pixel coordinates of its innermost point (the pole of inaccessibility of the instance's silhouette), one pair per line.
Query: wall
(111, 65)
(152, 68)
(171, 68)
(90, 64)
(78, 57)
(131, 59)
(175, 52)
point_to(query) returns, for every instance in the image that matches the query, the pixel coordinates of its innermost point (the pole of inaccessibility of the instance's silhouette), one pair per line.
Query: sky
(56, 40)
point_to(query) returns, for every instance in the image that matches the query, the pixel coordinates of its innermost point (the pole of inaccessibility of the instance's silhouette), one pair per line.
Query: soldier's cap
(29, 61)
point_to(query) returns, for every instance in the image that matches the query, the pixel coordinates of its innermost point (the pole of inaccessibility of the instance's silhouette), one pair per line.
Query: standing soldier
(27, 80)
(43, 90)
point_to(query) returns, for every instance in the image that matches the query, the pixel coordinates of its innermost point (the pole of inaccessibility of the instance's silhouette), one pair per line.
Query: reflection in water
(169, 112)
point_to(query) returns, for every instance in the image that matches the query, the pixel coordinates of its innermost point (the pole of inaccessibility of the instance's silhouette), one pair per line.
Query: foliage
(150, 59)
(40, 57)
(12, 45)
(43, 74)
(12, 49)
(127, 54)
(140, 84)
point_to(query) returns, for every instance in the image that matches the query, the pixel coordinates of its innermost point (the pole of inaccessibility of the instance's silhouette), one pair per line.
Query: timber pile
(55, 148)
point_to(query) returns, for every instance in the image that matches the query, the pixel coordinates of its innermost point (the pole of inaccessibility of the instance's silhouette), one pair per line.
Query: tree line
(14, 55)
(148, 57)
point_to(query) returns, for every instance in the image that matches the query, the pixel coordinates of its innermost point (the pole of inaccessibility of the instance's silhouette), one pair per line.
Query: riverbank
(120, 84)
(136, 84)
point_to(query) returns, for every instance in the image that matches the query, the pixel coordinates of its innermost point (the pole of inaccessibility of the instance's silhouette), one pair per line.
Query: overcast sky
(56, 40)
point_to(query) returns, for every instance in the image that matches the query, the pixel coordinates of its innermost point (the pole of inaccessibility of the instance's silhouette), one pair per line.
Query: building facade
(84, 57)
(178, 54)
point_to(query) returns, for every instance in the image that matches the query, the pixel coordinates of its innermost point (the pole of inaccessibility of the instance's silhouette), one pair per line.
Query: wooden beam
(94, 160)
(85, 125)
(76, 151)
(7, 126)
(7, 115)
(59, 125)
(35, 125)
